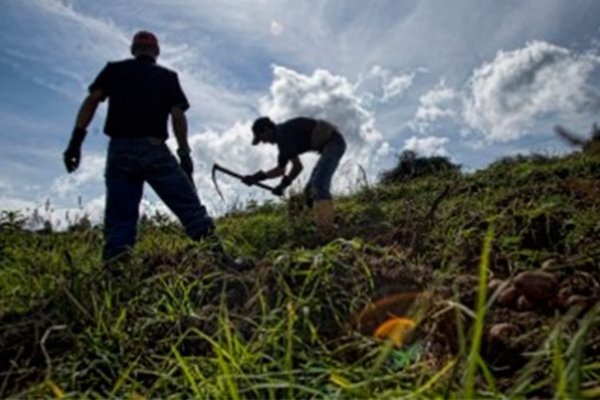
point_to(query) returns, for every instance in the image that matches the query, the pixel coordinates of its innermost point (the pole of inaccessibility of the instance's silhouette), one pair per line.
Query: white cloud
(231, 149)
(383, 85)
(14, 204)
(321, 95)
(431, 103)
(90, 171)
(508, 95)
(437, 103)
(427, 146)
(396, 86)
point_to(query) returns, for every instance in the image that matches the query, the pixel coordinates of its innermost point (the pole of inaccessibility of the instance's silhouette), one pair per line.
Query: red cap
(145, 39)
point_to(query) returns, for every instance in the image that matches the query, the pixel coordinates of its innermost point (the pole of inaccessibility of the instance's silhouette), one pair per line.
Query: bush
(411, 166)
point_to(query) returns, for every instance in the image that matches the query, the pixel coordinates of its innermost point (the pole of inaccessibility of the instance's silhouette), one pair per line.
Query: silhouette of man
(293, 138)
(141, 97)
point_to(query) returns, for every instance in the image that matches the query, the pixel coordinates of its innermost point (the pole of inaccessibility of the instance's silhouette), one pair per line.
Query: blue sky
(474, 80)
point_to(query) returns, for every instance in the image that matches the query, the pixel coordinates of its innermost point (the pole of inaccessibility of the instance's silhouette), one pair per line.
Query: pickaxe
(217, 167)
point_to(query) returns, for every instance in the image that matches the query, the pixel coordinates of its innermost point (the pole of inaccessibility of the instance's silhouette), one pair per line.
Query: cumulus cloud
(427, 146)
(431, 103)
(14, 204)
(437, 103)
(91, 171)
(232, 149)
(507, 95)
(383, 85)
(320, 95)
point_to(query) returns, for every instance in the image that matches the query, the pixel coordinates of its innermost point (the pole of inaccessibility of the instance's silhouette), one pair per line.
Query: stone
(508, 297)
(537, 286)
(502, 332)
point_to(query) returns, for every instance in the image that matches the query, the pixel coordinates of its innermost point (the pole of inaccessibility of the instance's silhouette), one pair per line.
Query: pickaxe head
(217, 167)
(214, 179)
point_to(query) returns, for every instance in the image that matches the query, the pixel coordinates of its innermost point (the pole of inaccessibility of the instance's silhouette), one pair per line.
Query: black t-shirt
(293, 138)
(140, 97)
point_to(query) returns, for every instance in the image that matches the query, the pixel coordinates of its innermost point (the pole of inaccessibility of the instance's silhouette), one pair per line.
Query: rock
(537, 286)
(563, 295)
(550, 264)
(577, 300)
(508, 297)
(583, 283)
(502, 332)
(523, 304)
(494, 284)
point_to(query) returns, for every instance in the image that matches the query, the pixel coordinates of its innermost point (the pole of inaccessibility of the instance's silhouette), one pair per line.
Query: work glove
(279, 189)
(254, 179)
(72, 155)
(186, 163)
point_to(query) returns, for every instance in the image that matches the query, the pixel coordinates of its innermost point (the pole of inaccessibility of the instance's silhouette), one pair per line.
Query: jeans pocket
(120, 163)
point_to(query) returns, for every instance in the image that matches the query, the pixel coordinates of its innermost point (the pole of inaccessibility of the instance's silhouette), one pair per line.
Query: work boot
(323, 213)
(223, 258)
(117, 265)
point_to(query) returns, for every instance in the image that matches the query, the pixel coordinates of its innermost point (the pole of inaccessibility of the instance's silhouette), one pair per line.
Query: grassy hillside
(452, 254)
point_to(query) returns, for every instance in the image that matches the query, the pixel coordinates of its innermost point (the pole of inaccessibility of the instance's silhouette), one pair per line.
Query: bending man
(293, 138)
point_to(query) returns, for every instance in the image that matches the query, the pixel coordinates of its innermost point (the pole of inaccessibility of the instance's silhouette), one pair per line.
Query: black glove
(186, 163)
(279, 189)
(72, 155)
(254, 179)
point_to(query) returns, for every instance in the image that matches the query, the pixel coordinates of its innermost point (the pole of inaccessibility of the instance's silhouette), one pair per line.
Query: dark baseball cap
(260, 125)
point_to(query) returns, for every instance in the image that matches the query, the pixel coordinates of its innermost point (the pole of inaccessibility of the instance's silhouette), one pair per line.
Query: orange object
(396, 330)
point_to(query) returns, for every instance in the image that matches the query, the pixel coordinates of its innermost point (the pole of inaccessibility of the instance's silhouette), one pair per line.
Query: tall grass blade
(472, 361)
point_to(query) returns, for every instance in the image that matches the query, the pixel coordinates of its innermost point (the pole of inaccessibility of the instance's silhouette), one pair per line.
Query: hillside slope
(428, 290)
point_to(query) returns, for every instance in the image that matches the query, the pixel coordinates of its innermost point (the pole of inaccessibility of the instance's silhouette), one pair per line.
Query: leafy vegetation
(446, 250)
(411, 166)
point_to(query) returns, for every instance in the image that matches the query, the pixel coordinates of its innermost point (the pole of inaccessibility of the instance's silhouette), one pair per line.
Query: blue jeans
(129, 164)
(319, 184)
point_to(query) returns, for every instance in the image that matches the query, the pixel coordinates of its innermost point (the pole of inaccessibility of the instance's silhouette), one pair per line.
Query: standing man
(294, 137)
(141, 96)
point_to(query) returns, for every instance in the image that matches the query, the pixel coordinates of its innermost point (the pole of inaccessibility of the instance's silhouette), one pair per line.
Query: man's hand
(279, 189)
(72, 155)
(254, 179)
(186, 163)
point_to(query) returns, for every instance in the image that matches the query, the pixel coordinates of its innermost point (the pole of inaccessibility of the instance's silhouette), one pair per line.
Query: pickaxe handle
(229, 172)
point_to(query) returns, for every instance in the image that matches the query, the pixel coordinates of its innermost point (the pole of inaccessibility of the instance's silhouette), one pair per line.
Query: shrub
(411, 166)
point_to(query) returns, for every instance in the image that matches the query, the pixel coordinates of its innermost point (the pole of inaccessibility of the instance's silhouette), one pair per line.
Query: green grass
(176, 324)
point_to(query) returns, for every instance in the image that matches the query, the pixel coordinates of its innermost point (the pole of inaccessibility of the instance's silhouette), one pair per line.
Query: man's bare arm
(88, 109)
(180, 129)
(296, 169)
(275, 172)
